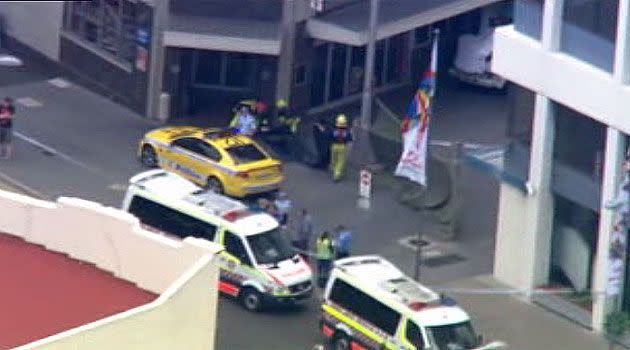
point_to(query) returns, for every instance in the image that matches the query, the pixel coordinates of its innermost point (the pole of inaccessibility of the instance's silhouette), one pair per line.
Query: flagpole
(433, 68)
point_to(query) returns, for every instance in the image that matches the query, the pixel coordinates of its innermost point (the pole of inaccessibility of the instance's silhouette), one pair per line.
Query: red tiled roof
(43, 293)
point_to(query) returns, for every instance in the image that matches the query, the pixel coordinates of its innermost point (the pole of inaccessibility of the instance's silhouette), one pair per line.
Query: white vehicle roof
(176, 189)
(425, 305)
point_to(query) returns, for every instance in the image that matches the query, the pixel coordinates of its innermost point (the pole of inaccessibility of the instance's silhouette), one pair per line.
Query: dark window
(109, 25)
(189, 144)
(246, 154)
(234, 245)
(528, 17)
(300, 75)
(169, 220)
(238, 69)
(270, 247)
(318, 75)
(589, 31)
(209, 151)
(337, 72)
(208, 68)
(414, 336)
(422, 36)
(364, 306)
(357, 67)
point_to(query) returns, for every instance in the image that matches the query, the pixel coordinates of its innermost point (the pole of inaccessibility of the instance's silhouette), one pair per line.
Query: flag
(415, 127)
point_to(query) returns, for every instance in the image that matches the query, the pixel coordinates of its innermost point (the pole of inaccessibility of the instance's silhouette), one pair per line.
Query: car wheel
(148, 157)
(251, 299)
(341, 342)
(215, 185)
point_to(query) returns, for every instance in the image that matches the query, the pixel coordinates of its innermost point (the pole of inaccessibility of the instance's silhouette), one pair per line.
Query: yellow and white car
(213, 158)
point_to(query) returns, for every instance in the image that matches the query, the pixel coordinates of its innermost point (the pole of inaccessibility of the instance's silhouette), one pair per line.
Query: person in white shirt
(284, 205)
(246, 122)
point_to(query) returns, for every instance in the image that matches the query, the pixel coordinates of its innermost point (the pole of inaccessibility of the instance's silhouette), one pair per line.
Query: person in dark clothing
(322, 134)
(7, 111)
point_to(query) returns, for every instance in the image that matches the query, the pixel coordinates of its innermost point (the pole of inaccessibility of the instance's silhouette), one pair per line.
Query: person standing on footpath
(284, 205)
(322, 134)
(325, 255)
(304, 233)
(344, 242)
(7, 111)
(342, 138)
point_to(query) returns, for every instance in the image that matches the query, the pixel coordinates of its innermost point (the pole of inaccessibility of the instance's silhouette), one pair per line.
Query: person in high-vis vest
(342, 137)
(285, 119)
(325, 255)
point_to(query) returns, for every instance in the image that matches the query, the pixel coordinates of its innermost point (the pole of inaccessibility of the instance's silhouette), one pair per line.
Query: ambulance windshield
(270, 247)
(458, 336)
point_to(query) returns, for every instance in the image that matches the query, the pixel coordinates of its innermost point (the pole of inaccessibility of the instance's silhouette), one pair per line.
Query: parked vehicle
(258, 266)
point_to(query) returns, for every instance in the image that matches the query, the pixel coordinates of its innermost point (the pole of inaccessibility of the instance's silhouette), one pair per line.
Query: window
(589, 31)
(209, 151)
(528, 17)
(234, 245)
(169, 220)
(422, 36)
(108, 25)
(414, 336)
(364, 306)
(246, 154)
(453, 336)
(270, 247)
(188, 143)
(208, 67)
(300, 75)
(238, 69)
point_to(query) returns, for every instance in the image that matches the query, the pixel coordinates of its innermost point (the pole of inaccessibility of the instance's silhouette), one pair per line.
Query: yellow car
(219, 160)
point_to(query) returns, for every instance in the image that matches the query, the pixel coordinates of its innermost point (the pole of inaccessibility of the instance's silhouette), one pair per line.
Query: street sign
(317, 5)
(365, 184)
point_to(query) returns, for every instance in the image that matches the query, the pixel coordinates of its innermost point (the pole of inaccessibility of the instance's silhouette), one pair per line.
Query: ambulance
(370, 304)
(258, 265)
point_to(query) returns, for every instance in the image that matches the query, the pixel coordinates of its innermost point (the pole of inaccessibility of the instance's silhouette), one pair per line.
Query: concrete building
(196, 57)
(570, 64)
(78, 275)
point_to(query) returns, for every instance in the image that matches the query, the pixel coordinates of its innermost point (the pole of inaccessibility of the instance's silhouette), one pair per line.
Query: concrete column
(368, 83)
(621, 72)
(285, 60)
(525, 221)
(156, 66)
(613, 161)
(541, 210)
(552, 24)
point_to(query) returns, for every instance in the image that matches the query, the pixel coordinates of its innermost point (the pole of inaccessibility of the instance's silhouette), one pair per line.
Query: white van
(258, 264)
(370, 304)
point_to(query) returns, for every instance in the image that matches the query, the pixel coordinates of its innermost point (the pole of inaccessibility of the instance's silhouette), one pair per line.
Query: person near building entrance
(288, 124)
(343, 242)
(325, 255)
(7, 111)
(322, 135)
(244, 122)
(342, 137)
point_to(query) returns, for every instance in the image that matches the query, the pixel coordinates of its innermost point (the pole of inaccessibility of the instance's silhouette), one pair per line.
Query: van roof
(170, 185)
(379, 273)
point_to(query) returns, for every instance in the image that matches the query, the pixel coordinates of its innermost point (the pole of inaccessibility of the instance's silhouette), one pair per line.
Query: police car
(216, 159)
(258, 265)
(370, 304)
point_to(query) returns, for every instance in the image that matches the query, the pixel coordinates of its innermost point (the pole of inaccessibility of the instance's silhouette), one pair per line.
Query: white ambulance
(258, 265)
(370, 304)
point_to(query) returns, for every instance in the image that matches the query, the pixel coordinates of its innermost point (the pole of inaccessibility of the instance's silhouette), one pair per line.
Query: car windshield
(458, 336)
(246, 153)
(270, 247)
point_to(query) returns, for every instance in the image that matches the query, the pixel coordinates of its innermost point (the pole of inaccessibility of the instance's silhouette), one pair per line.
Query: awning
(349, 25)
(221, 34)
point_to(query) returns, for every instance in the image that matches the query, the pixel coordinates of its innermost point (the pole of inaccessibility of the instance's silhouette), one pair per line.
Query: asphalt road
(72, 142)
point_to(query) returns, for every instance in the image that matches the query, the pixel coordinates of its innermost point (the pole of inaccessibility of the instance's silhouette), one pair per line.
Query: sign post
(365, 189)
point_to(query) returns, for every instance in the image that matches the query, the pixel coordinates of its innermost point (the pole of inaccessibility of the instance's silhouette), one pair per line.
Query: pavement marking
(117, 187)
(60, 83)
(29, 102)
(22, 187)
(53, 151)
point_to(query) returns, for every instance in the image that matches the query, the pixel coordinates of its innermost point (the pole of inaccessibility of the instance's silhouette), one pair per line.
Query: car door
(208, 161)
(234, 262)
(184, 159)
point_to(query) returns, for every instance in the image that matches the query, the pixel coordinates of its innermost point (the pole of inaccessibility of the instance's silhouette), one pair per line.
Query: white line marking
(118, 187)
(54, 151)
(28, 102)
(60, 82)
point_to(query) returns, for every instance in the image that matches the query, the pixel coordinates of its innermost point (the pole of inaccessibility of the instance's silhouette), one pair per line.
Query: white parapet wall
(183, 273)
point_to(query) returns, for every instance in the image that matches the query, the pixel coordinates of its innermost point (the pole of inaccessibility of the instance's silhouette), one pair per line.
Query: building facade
(570, 66)
(195, 58)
